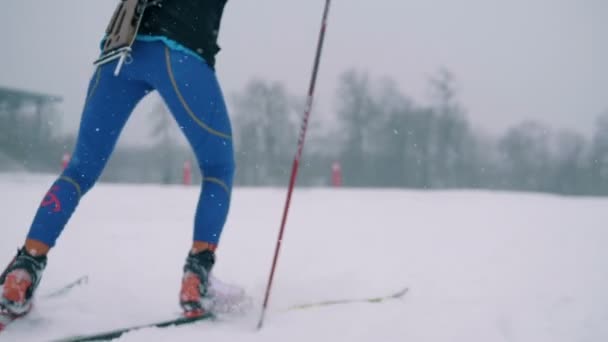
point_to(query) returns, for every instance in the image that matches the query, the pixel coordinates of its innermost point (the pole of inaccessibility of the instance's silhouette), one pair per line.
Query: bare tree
(266, 132)
(164, 133)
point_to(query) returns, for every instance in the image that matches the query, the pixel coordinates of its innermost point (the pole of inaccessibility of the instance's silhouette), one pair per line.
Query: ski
(113, 334)
(380, 299)
(7, 318)
(67, 287)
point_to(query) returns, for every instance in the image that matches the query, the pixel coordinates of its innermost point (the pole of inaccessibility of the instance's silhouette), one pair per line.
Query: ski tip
(83, 280)
(5, 320)
(401, 293)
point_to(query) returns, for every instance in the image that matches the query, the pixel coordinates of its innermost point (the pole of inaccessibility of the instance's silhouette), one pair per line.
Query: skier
(173, 52)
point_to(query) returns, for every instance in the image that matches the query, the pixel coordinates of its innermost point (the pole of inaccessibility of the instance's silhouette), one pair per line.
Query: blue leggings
(190, 89)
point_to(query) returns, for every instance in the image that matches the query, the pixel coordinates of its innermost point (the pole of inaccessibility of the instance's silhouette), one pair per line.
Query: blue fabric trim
(172, 44)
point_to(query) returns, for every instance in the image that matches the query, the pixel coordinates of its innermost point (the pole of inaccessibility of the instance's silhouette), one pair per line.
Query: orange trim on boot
(16, 285)
(190, 291)
(190, 294)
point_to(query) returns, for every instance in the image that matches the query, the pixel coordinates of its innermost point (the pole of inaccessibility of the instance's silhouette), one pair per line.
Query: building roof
(18, 95)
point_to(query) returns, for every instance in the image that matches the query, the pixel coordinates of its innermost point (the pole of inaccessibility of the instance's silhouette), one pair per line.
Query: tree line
(378, 134)
(382, 138)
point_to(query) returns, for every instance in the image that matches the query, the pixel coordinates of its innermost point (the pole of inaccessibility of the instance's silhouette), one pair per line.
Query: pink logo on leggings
(51, 199)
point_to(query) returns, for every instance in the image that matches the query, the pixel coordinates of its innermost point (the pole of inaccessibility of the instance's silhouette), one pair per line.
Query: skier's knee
(219, 173)
(82, 177)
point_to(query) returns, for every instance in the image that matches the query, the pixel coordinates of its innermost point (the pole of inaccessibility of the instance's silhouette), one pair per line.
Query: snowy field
(481, 266)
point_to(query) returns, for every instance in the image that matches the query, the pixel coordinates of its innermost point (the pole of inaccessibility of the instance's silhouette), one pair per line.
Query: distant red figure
(187, 179)
(65, 160)
(336, 174)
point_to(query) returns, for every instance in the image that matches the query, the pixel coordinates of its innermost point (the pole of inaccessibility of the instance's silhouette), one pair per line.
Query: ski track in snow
(481, 266)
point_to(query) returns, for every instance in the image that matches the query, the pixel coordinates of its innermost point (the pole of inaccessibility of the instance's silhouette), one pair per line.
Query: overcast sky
(544, 60)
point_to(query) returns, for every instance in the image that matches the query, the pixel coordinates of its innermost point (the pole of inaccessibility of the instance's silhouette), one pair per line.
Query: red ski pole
(296, 160)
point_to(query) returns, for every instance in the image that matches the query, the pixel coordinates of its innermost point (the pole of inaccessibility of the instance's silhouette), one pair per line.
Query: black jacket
(192, 23)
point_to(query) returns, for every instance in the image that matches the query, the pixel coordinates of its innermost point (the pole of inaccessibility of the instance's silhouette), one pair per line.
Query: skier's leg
(192, 93)
(110, 101)
(191, 90)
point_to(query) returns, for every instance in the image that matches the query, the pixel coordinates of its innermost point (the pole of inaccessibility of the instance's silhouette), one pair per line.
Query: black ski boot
(19, 282)
(195, 282)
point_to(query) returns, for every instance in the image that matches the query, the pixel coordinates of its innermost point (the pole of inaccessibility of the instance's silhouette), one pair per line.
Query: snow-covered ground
(481, 266)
